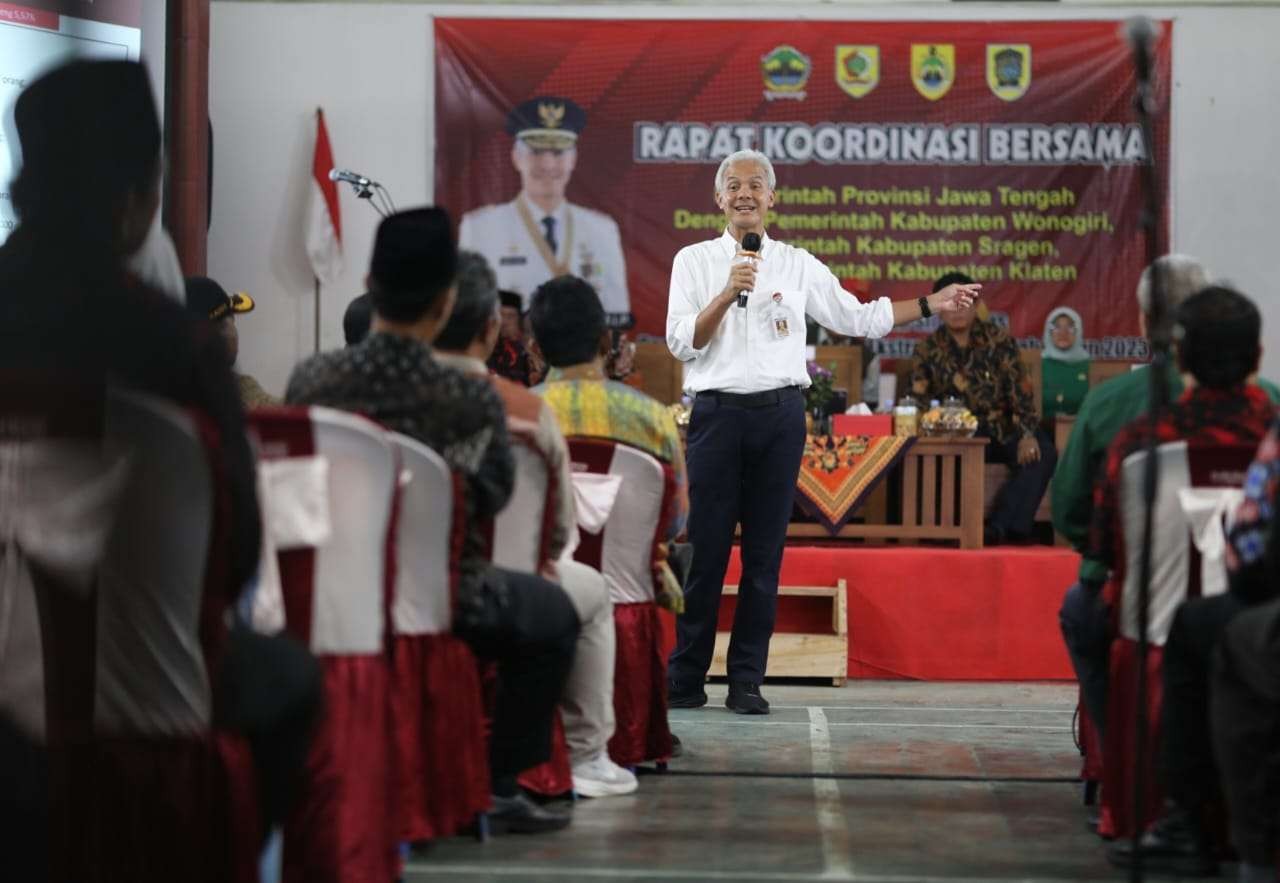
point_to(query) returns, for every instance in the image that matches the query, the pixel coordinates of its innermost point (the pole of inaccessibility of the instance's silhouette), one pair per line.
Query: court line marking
(746, 724)
(437, 869)
(832, 826)
(1012, 709)
(874, 776)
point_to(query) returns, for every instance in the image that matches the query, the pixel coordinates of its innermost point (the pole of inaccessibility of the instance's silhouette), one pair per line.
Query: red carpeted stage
(933, 614)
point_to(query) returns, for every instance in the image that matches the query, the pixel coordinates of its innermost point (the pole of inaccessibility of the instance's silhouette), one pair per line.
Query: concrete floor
(881, 782)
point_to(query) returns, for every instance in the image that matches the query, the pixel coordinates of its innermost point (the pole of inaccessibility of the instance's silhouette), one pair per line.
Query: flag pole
(315, 341)
(316, 312)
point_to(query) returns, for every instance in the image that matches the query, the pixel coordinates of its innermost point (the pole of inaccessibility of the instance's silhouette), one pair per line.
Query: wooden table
(930, 474)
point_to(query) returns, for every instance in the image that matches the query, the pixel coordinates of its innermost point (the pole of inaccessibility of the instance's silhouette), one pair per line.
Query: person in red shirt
(1219, 347)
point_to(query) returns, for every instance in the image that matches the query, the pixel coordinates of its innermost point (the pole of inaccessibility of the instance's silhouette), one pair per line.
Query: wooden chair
(845, 363)
(661, 372)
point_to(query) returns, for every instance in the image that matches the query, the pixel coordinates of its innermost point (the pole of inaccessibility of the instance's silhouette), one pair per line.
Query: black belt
(753, 399)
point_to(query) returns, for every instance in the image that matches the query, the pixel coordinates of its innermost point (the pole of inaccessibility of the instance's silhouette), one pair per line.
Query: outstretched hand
(1028, 450)
(956, 296)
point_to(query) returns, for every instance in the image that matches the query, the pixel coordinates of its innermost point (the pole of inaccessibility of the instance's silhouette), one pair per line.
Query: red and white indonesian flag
(324, 228)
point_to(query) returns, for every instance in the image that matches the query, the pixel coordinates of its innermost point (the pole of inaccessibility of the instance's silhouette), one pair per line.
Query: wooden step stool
(798, 655)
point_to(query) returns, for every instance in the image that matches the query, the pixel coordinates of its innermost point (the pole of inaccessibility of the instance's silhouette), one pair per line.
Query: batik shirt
(1207, 416)
(987, 375)
(615, 411)
(395, 381)
(1246, 552)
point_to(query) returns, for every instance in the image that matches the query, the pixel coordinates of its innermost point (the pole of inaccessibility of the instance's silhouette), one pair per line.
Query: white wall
(369, 65)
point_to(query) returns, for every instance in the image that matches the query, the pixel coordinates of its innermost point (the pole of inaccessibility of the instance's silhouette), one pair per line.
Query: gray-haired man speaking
(746, 368)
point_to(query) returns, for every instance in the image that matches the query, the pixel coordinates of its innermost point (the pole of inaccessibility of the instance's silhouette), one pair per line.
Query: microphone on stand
(750, 243)
(1140, 32)
(349, 177)
(365, 189)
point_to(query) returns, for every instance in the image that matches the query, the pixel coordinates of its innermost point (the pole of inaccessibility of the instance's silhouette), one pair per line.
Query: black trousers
(1186, 753)
(269, 689)
(24, 804)
(532, 640)
(1086, 630)
(743, 464)
(1014, 511)
(1245, 716)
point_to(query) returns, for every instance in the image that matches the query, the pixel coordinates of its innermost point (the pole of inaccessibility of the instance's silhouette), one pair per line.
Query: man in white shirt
(540, 235)
(737, 319)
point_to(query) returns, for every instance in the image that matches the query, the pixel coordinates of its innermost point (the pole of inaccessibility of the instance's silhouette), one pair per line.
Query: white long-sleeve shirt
(743, 354)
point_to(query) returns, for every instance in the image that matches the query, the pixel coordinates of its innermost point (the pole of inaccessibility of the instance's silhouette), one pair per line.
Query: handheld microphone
(751, 243)
(349, 177)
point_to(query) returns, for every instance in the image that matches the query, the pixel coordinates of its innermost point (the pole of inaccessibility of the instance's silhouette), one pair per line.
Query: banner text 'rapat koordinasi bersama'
(1104, 144)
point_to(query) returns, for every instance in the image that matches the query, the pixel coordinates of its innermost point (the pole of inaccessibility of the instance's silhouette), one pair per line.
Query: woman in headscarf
(1064, 363)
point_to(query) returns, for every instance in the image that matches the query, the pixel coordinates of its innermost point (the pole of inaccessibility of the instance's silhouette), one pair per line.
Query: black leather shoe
(682, 694)
(1175, 844)
(520, 815)
(744, 698)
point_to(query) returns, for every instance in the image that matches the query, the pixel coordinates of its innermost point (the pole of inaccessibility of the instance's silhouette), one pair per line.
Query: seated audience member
(1219, 346)
(73, 310)
(208, 300)
(978, 362)
(587, 707)
(1064, 364)
(524, 622)
(1245, 690)
(356, 319)
(24, 803)
(1104, 411)
(156, 264)
(1245, 715)
(70, 306)
(510, 356)
(569, 330)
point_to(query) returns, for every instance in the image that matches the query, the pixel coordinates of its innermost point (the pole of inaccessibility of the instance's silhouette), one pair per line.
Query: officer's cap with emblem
(547, 122)
(209, 300)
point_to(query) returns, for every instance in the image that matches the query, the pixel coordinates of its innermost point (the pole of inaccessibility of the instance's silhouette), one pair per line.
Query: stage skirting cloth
(839, 472)
(932, 614)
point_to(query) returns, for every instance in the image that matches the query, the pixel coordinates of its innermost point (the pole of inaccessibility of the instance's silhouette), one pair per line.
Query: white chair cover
(424, 531)
(1182, 467)
(1207, 511)
(58, 501)
(293, 493)
(348, 615)
(518, 529)
(151, 676)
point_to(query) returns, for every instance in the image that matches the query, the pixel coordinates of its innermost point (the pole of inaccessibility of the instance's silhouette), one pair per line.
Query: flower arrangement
(821, 388)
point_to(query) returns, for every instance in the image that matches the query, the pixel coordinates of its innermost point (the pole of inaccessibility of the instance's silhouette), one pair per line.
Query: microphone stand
(376, 195)
(1143, 34)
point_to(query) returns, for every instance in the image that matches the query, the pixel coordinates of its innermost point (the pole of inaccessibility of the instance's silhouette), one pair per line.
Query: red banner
(45, 13)
(1006, 150)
